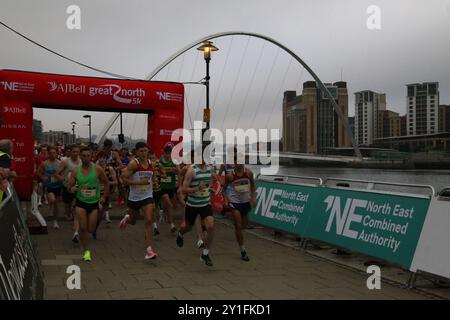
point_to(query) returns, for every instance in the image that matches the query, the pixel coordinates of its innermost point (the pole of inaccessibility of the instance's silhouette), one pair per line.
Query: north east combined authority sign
(380, 225)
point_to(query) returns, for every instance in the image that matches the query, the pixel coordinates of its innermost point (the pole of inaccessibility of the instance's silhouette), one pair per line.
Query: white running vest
(142, 192)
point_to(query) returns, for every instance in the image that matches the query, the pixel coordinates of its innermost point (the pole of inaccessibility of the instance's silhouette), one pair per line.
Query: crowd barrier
(20, 276)
(407, 229)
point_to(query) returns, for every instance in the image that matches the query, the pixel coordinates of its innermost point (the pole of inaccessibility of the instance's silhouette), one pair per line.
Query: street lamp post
(90, 136)
(207, 47)
(73, 123)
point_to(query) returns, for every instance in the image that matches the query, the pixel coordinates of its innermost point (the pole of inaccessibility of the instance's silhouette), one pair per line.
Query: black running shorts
(192, 212)
(55, 191)
(243, 208)
(137, 205)
(170, 192)
(89, 207)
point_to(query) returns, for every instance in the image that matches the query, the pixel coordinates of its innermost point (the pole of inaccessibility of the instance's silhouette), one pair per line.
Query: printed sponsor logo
(372, 219)
(13, 126)
(66, 88)
(163, 116)
(164, 132)
(126, 96)
(15, 110)
(168, 96)
(17, 86)
(282, 205)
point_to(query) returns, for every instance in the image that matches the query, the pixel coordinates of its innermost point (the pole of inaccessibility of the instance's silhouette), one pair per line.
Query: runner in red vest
(140, 176)
(239, 200)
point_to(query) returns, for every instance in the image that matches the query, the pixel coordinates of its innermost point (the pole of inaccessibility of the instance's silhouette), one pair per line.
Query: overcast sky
(248, 76)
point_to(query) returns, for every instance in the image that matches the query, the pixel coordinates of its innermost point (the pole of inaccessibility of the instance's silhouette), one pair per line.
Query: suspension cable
(265, 87)
(223, 69)
(251, 84)
(235, 83)
(279, 91)
(181, 67)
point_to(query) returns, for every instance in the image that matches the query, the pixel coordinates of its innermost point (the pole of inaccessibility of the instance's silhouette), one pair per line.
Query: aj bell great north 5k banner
(380, 225)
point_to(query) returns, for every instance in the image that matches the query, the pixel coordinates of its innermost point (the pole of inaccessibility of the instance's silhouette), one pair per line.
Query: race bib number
(142, 188)
(241, 187)
(202, 193)
(88, 192)
(166, 179)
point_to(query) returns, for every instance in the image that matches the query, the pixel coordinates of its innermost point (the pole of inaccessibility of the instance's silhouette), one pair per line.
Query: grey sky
(133, 37)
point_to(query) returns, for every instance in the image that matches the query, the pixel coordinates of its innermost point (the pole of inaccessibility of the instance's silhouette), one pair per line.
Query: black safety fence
(20, 275)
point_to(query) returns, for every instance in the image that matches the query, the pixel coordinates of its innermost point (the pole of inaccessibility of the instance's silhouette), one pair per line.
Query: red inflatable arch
(21, 91)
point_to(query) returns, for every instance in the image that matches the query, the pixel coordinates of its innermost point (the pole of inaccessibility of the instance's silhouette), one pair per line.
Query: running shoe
(55, 224)
(151, 254)
(87, 256)
(180, 240)
(110, 206)
(173, 228)
(75, 237)
(124, 222)
(156, 232)
(107, 218)
(244, 256)
(206, 259)
(200, 244)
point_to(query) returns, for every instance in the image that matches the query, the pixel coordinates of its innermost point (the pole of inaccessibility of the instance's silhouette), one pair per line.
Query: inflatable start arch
(21, 91)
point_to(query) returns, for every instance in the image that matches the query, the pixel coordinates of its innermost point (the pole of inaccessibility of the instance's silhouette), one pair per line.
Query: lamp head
(207, 47)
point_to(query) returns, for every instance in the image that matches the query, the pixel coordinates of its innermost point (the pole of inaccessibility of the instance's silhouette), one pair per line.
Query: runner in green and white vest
(196, 185)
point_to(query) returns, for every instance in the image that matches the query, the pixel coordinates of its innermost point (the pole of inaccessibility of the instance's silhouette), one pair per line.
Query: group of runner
(85, 182)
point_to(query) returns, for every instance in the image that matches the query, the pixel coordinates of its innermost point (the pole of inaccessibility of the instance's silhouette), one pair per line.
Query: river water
(436, 178)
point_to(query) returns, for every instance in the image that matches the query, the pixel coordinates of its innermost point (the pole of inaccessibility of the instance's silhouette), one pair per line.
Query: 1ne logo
(74, 280)
(374, 20)
(267, 201)
(74, 20)
(374, 280)
(343, 219)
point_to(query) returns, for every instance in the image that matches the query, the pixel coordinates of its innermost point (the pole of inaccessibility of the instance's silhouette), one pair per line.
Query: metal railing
(371, 184)
(285, 178)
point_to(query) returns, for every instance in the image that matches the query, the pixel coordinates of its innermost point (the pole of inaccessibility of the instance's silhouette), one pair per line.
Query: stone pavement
(118, 269)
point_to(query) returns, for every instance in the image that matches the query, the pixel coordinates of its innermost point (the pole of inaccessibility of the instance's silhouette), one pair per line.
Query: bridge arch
(337, 109)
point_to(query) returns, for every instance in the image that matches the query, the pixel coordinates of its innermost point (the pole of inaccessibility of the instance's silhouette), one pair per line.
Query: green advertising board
(283, 206)
(381, 225)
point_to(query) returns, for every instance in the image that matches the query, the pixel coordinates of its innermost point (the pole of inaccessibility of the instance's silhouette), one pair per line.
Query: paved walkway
(119, 271)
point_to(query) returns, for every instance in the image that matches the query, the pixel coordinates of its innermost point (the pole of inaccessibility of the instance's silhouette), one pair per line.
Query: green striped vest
(200, 198)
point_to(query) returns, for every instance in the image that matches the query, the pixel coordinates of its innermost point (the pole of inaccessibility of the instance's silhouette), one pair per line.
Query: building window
(432, 89)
